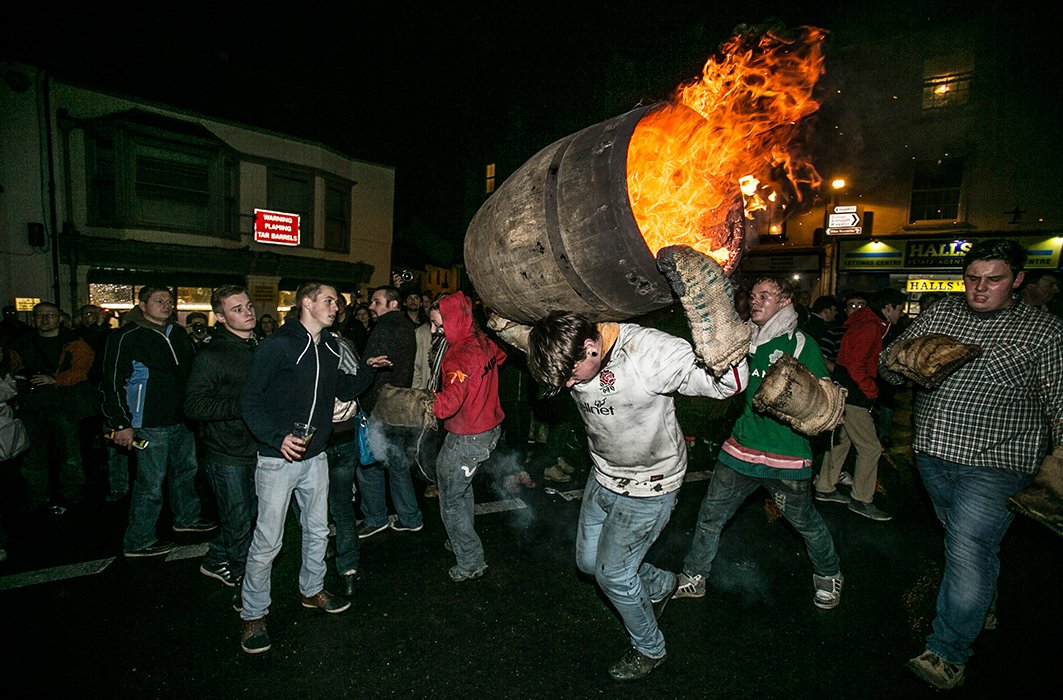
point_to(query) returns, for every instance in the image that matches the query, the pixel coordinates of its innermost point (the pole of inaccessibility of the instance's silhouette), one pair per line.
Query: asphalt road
(79, 619)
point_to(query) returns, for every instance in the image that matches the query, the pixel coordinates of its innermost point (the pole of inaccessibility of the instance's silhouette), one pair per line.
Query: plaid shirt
(1004, 408)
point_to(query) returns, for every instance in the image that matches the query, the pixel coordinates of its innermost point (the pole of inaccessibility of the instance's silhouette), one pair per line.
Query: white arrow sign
(842, 220)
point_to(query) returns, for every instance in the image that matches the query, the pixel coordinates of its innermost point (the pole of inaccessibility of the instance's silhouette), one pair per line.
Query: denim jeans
(53, 441)
(455, 468)
(275, 481)
(342, 463)
(727, 491)
(234, 492)
(170, 456)
(971, 502)
(118, 459)
(613, 536)
(394, 469)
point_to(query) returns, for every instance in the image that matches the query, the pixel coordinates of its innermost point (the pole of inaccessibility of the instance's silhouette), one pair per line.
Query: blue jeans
(729, 489)
(613, 536)
(234, 491)
(275, 481)
(170, 456)
(342, 463)
(394, 468)
(971, 502)
(455, 468)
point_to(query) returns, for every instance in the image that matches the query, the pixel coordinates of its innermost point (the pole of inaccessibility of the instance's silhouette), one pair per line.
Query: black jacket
(214, 396)
(395, 336)
(144, 373)
(293, 380)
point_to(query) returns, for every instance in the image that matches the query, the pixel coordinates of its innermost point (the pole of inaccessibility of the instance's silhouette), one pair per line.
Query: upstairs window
(944, 91)
(145, 171)
(292, 192)
(936, 190)
(337, 221)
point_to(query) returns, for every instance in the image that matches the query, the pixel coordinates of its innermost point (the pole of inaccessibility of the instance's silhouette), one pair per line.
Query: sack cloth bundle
(1043, 499)
(928, 359)
(720, 338)
(791, 393)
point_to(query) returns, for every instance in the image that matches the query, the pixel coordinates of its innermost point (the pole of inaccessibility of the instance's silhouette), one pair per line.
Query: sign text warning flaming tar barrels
(729, 138)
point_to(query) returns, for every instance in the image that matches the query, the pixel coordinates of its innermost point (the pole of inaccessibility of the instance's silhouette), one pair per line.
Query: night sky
(435, 92)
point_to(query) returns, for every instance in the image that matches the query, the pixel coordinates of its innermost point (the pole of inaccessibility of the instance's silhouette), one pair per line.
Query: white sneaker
(828, 590)
(845, 479)
(690, 586)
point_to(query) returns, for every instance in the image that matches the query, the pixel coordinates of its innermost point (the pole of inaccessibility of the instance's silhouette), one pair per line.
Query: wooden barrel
(559, 234)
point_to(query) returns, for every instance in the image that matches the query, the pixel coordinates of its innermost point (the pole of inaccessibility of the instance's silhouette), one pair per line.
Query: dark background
(435, 91)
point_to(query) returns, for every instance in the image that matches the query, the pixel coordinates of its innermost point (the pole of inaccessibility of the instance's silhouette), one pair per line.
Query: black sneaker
(201, 525)
(254, 639)
(365, 531)
(634, 665)
(158, 549)
(221, 572)
(869, 511)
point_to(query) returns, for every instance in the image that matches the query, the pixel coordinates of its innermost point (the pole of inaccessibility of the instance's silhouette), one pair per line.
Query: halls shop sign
(276, 227)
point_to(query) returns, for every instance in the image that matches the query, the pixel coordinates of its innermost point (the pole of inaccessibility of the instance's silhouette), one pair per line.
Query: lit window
(948, 90)
(489, 178)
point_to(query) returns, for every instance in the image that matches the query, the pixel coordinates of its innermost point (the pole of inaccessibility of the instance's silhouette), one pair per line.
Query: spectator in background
(802, 300)
(928, 298)
(1039, 288)
(821, 321)
(361, 328)
(52, 366)
(856, 370)
(294, 379)
(214, 396)
(145, 371)
(266, 325)
(394, 337)
(197, 324)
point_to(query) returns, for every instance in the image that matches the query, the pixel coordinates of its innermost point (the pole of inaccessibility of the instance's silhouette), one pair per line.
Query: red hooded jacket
(467, 403)
(858, 354)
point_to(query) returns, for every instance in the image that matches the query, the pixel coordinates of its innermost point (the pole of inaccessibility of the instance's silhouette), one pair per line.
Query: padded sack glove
(791, 393)
(928, 359)
(1043, 499)
(720, 338)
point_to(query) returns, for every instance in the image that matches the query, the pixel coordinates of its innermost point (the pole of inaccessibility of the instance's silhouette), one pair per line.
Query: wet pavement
(78, 618)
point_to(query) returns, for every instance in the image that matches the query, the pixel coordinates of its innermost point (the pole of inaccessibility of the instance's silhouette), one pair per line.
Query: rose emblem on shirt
(608, 380)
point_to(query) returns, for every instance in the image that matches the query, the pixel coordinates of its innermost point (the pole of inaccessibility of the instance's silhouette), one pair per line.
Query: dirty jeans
(728, 489)
(613, 536)
(455, 468)
(275, 481)
(171, 457)
(971, 502)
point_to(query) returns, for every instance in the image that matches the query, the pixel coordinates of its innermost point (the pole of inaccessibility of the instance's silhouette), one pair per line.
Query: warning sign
(276, 227)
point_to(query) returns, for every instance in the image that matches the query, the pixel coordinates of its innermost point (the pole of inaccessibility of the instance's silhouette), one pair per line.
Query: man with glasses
(145, 370)
(52, 366)
(765, 452)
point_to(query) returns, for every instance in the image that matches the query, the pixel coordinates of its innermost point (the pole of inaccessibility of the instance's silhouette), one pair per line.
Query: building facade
(103, 193)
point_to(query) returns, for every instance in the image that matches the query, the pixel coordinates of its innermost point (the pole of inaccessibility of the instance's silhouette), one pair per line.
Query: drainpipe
(52, 212)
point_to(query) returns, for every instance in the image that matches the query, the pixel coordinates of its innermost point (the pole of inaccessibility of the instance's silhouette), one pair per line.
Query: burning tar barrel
(577, 226)
(559, 234)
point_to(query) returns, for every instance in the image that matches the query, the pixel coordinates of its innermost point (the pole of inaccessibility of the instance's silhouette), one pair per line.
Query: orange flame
(725, 143)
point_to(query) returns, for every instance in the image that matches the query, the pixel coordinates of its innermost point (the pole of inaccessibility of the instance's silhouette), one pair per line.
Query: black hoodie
(292, 380)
